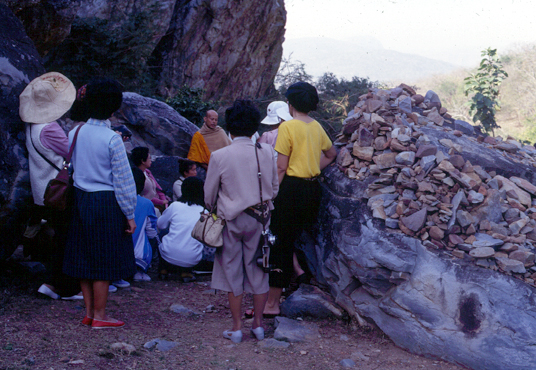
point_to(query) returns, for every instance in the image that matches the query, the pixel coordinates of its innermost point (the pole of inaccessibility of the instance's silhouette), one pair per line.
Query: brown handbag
(58, 190)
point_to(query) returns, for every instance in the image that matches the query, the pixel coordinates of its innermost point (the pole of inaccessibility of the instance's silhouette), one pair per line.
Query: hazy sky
(451, 30)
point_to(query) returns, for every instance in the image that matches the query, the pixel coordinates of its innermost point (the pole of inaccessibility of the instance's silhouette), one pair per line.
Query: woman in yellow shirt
(304, 150)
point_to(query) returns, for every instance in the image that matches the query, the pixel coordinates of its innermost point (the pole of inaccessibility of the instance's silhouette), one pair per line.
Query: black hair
(102, 98)
(139, 155)
(139, 179)
(302, 96)
(243, 118)
(192, 191)
(185, 165)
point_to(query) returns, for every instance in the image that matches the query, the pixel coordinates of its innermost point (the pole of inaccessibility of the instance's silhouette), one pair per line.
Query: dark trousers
(52, 249)
(295, 210)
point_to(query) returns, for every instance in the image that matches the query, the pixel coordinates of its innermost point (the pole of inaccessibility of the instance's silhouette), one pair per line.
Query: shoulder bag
(208, 229)
(58, 190)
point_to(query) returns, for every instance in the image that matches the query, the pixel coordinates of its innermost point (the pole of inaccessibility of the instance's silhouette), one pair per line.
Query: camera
(266, 241)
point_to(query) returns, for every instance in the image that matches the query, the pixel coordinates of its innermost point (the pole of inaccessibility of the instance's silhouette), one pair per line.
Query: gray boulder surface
(19, 64)
(230, 49)
(454, 277)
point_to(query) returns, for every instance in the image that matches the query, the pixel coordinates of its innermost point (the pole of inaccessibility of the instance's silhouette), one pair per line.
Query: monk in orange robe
(209, 138)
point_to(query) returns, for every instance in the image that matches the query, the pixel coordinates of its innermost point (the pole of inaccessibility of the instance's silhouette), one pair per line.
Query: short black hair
(139, 179)
(192, 191)
(185, 165)
(243, 118)
(139, 155)
(103, 97)
(302, 96)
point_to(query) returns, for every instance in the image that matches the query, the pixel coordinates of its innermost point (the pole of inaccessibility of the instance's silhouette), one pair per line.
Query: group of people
(119, 211)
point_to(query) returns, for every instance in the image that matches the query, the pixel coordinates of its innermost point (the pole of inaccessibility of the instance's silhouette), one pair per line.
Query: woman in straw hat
(99, 244)
(46, 99)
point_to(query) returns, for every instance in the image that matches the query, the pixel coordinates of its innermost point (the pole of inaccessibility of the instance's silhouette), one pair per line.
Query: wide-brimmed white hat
(277, 110)
(46, 98)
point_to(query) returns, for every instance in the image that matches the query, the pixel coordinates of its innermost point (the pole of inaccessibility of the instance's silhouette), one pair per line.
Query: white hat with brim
(47, 98)
(277, 111)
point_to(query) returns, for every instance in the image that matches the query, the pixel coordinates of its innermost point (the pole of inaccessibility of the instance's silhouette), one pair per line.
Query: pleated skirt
(98, 247)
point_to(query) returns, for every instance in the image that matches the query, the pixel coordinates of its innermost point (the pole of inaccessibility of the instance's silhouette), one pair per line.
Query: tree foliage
(484, 84)
(337, 96)
(190, 104)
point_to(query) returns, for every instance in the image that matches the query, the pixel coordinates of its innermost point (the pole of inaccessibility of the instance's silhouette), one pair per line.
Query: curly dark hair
(139, 154)
(243, 118)
(102, 98)
(302, 96)
(192, 191)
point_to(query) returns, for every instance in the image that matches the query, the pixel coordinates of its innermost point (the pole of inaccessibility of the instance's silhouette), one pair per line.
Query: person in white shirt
(178, 248)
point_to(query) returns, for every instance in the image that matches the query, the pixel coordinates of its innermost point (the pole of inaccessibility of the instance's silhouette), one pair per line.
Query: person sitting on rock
(152, 191)
(146, 229)
(187, 168)
(208, 139)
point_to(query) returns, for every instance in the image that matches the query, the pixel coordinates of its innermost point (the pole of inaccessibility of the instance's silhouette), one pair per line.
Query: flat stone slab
(310, 301)
(485, 240)
(160, 344)
(293, 331)
(482, 252)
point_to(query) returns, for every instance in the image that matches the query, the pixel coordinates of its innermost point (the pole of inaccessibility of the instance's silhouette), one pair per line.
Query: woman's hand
(131, 226)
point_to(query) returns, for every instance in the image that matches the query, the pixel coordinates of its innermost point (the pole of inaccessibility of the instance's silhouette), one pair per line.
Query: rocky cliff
(230, 49)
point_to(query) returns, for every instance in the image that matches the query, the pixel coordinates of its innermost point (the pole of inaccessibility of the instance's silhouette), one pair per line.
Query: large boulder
(47, 22)
(156, 125)
(19, 64)
(230, 49)
(439, 254)
(423, 299)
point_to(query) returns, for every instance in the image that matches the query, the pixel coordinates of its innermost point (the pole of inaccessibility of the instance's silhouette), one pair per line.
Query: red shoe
(101, 324)
(87, 321)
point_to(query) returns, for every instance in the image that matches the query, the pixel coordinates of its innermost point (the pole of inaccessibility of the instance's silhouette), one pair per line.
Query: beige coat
(232, 177)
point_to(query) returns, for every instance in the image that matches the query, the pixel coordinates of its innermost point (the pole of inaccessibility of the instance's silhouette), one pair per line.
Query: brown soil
(40, 333)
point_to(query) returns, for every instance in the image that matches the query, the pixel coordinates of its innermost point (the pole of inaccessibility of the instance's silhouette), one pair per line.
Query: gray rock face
(441, 307)
(156, 125)
(229, 49)
(47, 22)
(292, 331)
(310, 301)
(19, 64)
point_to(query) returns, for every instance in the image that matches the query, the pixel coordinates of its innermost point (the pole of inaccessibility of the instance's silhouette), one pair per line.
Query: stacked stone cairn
(436, 195)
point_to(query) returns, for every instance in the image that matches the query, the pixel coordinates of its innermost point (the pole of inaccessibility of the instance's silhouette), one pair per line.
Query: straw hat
(46, 98)
(277, 110)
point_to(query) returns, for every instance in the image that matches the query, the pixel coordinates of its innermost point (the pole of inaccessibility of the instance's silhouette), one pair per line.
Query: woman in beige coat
(232, 184)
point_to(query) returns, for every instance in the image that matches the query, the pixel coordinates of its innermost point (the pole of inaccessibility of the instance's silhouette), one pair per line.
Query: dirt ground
(40, 333)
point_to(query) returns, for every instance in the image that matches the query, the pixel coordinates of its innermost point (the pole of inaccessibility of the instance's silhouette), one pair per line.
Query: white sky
(450, 30)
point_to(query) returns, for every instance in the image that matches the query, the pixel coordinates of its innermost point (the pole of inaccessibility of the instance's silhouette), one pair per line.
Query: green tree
(485, 86)
(190, 104)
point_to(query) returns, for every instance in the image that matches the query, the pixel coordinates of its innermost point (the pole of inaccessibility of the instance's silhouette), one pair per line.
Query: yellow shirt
(303, 143)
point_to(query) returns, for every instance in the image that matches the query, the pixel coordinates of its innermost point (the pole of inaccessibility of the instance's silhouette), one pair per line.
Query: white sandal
(258, 332)
(234, 336)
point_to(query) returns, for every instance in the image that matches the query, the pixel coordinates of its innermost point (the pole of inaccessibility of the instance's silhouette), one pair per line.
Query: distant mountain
(364, 57)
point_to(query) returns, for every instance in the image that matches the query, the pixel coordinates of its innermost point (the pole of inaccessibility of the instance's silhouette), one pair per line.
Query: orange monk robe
(198, 149)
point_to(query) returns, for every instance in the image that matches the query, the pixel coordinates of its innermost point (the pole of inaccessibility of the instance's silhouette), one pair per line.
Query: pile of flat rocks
(430, 191)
